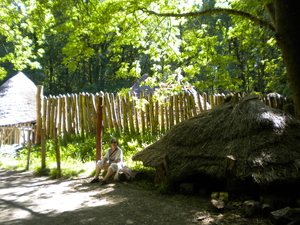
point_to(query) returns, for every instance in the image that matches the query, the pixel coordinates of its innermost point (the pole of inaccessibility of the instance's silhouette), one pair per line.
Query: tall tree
(151, 30)
(283, 21)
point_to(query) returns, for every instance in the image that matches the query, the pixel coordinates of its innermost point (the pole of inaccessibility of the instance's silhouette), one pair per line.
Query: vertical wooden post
(108, 107)
(29, 149)
(151, 114)
(147, 112)
(43, 146)
(45, 117)
(113, 111)
(130, 113)
(162, 120)
(143, 114)
(156, 115)
(193, 105)
(99, 129)
(136, 116)
(119, 110)
(124, 112)
(205, 101)
(69, 109)
(176, 108)
(57, 154)
(39, 113)
(75, 115)
(171, 112)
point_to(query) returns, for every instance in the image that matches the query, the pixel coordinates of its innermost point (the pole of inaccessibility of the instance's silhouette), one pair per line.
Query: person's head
(114, 141)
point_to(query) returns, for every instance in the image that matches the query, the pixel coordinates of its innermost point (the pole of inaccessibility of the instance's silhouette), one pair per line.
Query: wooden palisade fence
(77, 113)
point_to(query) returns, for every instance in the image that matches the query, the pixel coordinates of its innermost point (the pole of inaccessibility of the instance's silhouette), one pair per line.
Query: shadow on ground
(26, 199)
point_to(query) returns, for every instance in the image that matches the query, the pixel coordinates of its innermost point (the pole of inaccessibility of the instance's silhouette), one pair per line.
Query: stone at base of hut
(266, 209)
(278, 202)
(285, 216)
(250, 207)
(217, 205)
(127, 174)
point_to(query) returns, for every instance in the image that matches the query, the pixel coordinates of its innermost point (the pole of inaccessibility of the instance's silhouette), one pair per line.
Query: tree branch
(216, 11)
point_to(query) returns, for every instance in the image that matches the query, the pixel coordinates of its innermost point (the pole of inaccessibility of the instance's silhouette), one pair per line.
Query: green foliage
(97, 46)
(78, 148)
(162, 188)
(39, 171)
(9, 162)
(66, 173)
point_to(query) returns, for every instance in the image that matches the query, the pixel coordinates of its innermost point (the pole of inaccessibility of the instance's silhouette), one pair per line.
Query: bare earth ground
(26, 199)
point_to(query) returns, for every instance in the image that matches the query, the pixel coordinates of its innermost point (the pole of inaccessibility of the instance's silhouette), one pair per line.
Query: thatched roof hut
(138, 87)
(241, 137)
(17, 100)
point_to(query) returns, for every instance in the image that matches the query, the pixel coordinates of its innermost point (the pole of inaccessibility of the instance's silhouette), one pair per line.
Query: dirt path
(25, 199)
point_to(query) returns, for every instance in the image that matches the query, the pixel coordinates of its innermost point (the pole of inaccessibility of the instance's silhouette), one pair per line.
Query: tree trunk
(288, 37)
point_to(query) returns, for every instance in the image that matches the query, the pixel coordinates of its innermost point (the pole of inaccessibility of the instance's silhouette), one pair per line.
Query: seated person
(112, 162)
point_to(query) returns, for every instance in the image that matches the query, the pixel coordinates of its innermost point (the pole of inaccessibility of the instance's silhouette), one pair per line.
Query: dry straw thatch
(263, 142)
(17, 100)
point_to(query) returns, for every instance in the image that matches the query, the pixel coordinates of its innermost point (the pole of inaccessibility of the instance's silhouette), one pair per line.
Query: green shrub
(39, 171)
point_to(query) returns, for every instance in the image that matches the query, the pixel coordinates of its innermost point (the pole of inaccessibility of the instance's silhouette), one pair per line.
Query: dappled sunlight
(57, 198)
(206, 217)
(53, 198)
(260, 161)
(79, 202)
(279, 122)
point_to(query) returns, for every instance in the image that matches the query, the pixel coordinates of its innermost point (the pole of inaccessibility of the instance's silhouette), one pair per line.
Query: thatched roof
(137, 88)
(264, 142)
(17, 100)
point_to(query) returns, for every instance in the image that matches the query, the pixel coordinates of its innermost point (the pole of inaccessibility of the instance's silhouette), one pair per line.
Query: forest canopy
(89, 45)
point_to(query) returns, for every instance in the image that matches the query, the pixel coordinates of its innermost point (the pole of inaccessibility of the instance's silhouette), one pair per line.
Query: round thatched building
(241, 139)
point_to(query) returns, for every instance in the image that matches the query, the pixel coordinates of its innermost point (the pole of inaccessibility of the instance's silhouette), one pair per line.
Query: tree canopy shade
(95, 45)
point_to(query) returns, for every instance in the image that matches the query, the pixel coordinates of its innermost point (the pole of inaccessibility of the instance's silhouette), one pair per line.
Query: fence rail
(15, 134)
